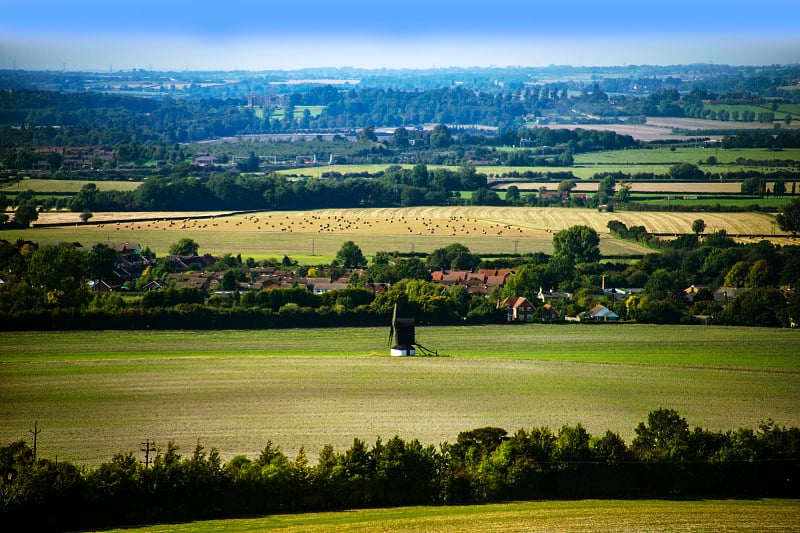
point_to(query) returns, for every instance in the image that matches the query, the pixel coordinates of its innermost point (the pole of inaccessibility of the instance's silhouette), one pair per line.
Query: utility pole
(515, 246)
(35, 431)
(148, 447)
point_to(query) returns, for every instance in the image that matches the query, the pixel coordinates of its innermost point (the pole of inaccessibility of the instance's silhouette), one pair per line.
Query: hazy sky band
(264, 34)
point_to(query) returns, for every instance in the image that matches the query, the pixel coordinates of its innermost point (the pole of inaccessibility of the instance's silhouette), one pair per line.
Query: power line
(148, 447)
(35, 431)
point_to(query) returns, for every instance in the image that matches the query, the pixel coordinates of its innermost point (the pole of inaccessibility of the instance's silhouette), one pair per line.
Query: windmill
(402, 331)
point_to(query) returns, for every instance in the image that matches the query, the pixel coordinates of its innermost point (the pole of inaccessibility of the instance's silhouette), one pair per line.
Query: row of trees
(665, 459)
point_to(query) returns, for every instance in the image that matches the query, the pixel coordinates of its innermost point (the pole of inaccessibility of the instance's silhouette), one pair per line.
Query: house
(620, 294)
(546, 296)
(600, 313)
(153, 285)
(729, 294)
(376, 288)
(690, 292)
(517, 308)
(549, 312)
(450, 277)
(99, 286)
(194, 280)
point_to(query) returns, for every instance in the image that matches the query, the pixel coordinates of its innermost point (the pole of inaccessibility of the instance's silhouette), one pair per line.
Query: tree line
(667, 458)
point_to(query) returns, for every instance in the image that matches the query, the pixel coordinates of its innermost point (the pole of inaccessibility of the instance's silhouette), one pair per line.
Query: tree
(101, 261)
(623, 194)
(367, 134)
(440, 136)
(578, 244)
(663, 437)
(454, 256)
(698, 226)
(687, 172)
(512, 194)
(85, 199)
(229, 281)
(59, 270)
(184, 246)
(401, 137)
(25, 214)
(250, 164)
(605, 189)
(737, 275)
(86, 215)
(789, 217)
(751, 186)
(759, 275)
(350, 256)
(484, 196)
(566, 185)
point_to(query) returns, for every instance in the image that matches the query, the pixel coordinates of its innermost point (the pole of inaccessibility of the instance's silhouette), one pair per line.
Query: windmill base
(403, 351)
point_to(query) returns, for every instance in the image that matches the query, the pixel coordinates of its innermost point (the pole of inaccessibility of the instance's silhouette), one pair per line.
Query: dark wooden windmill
(402, 333)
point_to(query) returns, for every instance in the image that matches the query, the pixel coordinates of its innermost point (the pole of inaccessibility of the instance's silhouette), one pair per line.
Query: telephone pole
(35, 431)
(148, 447)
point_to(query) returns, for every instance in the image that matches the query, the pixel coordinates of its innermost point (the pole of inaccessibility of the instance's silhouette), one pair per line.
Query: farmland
(546, 516)
(299, 234)
(46, 186)
(97, 393)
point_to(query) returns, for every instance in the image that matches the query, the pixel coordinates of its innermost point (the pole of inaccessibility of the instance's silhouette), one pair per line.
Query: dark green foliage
(350, 256)
(789, 217)
(452, 257)
(485, 464)
(185, 247)
(578, 244)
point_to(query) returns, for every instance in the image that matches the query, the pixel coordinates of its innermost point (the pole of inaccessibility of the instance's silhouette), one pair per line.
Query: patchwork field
(314, 237)
(97, 393)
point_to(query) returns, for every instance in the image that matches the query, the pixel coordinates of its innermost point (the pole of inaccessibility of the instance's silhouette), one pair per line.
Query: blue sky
(257, 35)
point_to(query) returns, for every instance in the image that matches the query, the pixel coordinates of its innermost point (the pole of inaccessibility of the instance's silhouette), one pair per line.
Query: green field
(97, 393)
(545, 516)
(677, 200)
(655, 160)
(44, 186)
(279, 113)
(666, 156)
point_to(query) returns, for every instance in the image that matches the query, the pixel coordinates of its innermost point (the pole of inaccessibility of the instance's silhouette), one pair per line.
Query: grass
(98, 393)
(279, 113)
(772, 202)
(45, 186)
(550, 516)
(669, 157)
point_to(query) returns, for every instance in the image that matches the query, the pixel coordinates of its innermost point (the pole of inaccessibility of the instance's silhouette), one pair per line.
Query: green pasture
(544, 516)
(299, 111)
(669, 157)
(97, 393)
(677, 200)
(45, 186)
(780, 112)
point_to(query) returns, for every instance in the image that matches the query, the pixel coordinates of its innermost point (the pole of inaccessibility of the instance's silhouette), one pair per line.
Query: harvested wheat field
(485, 230)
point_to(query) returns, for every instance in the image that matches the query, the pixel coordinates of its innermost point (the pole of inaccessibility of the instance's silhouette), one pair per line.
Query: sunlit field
(94, 394)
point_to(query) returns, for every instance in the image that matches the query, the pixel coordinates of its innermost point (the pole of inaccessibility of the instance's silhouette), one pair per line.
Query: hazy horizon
(90, 35)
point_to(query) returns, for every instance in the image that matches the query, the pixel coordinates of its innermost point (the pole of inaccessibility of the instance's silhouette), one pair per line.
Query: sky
(103, 35)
